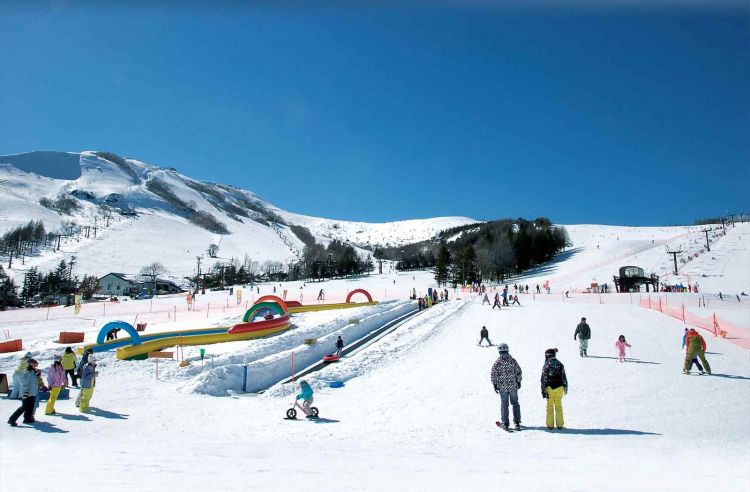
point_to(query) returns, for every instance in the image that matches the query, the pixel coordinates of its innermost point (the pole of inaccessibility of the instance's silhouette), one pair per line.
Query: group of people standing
(28, 382)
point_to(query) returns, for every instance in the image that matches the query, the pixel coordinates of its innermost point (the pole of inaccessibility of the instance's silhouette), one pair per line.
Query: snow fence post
(715, 333)
(175, 312)
(292, 365)
(244, 378)
(660, 306)
(208, 309)
(683, 312)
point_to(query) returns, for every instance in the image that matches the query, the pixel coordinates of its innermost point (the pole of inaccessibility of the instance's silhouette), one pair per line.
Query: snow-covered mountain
(158, 214)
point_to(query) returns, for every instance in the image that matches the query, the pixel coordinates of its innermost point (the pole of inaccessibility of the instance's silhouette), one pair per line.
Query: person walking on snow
(69, 365)
(486, 299)
(339, 346)
(497, 301)
(620, 344)
(320, 295)
(56, 379)
(506, 379)
(554, 386)
(306, 395)
(484, 335)
(23, 366)
(696, 345)
(88, 382)
(695, 359)
(28, 390)
(583, 333)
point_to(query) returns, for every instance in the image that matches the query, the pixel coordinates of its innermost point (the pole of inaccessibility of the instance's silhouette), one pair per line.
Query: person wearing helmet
(696, 346)
(88, 382)
(23, 366)
(84, 360)
(306, 395)
(506, 379)
(554, 386)
(28, 390)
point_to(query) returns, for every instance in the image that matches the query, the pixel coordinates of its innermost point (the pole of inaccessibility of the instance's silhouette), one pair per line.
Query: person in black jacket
(339, 346)
(506, 379)
(554, 386)
(583, 333)
(485, 335)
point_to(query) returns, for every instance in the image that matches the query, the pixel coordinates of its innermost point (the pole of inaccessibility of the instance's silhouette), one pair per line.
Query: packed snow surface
(417, 410)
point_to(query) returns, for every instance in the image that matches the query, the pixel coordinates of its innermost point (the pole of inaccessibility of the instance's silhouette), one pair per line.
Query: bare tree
(151, 273)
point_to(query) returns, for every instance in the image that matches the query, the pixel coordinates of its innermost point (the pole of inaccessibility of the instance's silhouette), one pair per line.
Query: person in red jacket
(696, 346)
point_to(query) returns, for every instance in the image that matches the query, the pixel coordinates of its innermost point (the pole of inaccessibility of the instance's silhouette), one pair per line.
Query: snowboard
(500, 425)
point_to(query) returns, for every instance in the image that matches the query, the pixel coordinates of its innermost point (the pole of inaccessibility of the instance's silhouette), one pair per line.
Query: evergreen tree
(442, 263)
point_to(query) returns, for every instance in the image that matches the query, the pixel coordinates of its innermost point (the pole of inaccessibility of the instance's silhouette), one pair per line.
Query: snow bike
(291, 414)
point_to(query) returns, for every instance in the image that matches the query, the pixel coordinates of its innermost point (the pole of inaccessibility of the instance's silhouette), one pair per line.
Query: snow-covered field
(417, 409)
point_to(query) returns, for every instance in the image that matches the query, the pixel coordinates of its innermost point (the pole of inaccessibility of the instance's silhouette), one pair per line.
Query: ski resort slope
(417, 412)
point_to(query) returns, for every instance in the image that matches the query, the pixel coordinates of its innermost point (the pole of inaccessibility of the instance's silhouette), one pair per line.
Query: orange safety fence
(739, 335)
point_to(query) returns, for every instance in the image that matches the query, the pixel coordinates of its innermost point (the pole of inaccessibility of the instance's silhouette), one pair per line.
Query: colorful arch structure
(358, 291)
(278, 300)
(271, 306)
(135, 338)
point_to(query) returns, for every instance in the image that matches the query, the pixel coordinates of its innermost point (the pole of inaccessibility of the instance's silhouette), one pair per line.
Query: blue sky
(385, 114)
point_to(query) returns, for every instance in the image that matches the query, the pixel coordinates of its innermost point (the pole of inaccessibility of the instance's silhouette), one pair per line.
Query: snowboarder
(554, 386)
(28, 390)
(696, 345)
(506, 379)
(69, 365)
(55, 382)
(497, 301)
(484, 335)
(306, 395)
(339, 346)
(583, 333)
(620, 344)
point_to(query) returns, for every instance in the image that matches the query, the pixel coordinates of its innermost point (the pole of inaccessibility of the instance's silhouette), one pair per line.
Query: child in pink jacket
(621, 344)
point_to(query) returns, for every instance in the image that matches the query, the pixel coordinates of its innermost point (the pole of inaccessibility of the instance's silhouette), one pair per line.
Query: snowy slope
(417, 410)
(161, 231)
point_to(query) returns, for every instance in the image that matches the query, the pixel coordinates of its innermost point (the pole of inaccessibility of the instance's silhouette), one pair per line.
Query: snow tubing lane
(259, 325)
(358, 291)
(271, 306)
(135, 338)
(278, 300)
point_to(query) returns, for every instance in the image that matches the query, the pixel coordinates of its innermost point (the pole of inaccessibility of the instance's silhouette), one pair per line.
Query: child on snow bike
(306, 395)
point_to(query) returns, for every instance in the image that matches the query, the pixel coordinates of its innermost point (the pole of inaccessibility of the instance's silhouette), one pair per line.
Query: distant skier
(505, 296)
(554, 386)
(694, 360)
(339, 346)
(321, 296)
(497, 301)
(696, 345)
(620, 344)
(583, 333)
(537, 289)
(485, 299)
(484, 335)
(515, 300)
(506, 379)
(306, 395)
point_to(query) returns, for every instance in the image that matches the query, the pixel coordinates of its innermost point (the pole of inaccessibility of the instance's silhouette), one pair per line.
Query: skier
(505, 296)
(583, 333)
(554, 386)
(88, 382)
(484, 335)
(506, 379)
(497, 301)
(696, 345)
(339, 346)
(69, 365)
(306, 395)
(485, 299)
(515, 300)
(320, 295)
(55, 381)
(28, 389)
(620, 344)
(23, 366)
(537, 289)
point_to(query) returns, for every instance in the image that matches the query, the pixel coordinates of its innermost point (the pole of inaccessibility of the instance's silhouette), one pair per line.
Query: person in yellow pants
(88, 381)
(55, 382)
(554, 386)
